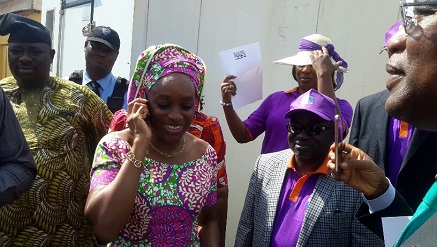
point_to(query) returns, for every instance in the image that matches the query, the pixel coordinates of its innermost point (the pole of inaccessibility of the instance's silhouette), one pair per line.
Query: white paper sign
(244, 62)
(393, 227)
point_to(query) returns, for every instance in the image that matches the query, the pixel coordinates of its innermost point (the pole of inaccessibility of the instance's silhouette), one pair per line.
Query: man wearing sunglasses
(412, 66)
(292, 200)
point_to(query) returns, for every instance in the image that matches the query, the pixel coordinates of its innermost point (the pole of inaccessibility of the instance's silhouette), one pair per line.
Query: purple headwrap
(306, 45)
(390, 32)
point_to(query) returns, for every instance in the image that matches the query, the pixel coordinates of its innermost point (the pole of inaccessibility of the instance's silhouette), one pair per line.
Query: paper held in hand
(244, 62)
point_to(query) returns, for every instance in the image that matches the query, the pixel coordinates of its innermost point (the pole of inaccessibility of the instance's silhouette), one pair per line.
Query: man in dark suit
(17, 166)
(412, 83)
(399, 149)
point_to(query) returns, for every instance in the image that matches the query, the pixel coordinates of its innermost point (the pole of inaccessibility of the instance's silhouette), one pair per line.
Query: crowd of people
(97, 159)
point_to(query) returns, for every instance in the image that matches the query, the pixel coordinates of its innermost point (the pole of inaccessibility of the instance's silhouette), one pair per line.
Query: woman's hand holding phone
(138, 119)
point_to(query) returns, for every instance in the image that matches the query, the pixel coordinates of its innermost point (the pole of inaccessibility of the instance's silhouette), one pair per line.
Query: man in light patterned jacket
(292, 200)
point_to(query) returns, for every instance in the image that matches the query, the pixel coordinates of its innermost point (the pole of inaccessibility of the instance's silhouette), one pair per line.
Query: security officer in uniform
(101, 51)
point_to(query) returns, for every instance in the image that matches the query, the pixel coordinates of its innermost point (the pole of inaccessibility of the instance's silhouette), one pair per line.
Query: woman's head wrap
(161, 60)
(312, 43)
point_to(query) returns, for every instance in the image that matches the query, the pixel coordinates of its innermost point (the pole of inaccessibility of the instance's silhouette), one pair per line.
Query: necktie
(95, 87)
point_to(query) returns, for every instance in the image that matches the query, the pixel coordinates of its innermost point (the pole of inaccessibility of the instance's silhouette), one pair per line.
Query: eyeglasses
(311, 130)
(408, 21)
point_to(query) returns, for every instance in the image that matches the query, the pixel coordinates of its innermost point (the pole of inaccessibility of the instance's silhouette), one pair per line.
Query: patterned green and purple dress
(169, 197)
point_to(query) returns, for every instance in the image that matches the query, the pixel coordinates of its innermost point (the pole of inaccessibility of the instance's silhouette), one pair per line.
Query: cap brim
(101, 41)
(302, 58)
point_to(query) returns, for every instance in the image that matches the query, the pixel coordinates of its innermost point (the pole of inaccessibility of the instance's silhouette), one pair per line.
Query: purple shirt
(269, 118)
(399, 137)
(290, 215)
(293, 203)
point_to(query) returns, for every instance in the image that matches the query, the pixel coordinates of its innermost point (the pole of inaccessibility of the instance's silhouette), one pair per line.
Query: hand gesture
(322, 63)
(138, 119)
(228, 89)
(358, 170)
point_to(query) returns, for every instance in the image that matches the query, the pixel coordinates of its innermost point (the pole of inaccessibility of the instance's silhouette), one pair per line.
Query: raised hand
(228, 88)
(138, 119)
(322, 63)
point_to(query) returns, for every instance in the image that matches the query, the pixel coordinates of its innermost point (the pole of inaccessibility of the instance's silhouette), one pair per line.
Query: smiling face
(30, 63)
(306, 77)
(171, 104)
(310, 149)
(413, 71)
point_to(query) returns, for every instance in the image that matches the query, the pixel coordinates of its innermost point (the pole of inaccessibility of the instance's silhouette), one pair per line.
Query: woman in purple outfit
(316, 65)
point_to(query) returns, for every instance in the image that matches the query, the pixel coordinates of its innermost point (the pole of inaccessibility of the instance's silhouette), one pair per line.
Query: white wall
(206, 27)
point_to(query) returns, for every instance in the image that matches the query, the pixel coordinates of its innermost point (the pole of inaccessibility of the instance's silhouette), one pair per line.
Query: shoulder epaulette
(76, 76)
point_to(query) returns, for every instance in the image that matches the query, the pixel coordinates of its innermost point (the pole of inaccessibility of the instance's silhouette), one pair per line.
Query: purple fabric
(392, 31)
(397, 147)
(290, 215)
(306, 45)
(315, 102)
(269, 118)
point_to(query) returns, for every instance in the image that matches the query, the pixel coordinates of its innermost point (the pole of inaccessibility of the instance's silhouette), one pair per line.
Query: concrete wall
(206, 27)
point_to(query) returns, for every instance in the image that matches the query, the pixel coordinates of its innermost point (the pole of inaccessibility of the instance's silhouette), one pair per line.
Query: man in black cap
(101, 50)
(62, 123)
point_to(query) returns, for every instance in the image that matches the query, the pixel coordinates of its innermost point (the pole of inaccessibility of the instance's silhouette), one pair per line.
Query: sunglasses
(310, 130)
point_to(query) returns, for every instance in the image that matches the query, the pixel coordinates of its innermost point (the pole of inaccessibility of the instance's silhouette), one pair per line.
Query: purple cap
(390, 32)
(315, 102)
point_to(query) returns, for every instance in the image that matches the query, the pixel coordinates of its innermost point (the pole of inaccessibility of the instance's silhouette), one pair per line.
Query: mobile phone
(336, 141)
